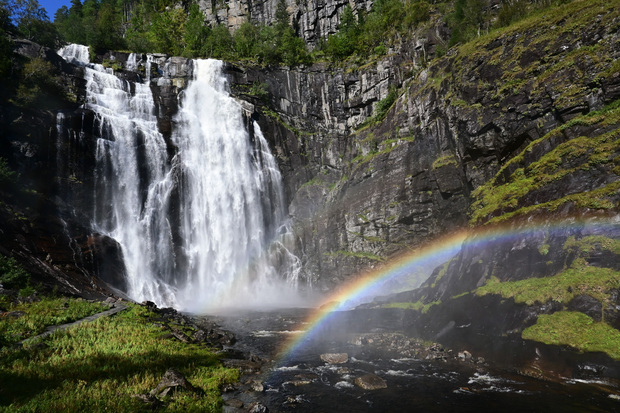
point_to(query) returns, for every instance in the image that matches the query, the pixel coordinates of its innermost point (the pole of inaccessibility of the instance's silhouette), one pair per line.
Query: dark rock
(172, 380)
(587, 305)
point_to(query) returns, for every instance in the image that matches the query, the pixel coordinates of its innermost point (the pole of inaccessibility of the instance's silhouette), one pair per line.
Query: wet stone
(370, 382)
(335, 358)
(234, 403)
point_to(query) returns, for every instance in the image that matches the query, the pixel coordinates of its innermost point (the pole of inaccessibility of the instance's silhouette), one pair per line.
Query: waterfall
(205, 228)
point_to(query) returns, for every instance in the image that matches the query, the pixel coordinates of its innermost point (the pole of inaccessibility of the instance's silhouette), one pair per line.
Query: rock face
(359, 194)
(314, 19)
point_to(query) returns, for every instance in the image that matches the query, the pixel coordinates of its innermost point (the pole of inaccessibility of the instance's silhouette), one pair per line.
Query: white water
(202, 226)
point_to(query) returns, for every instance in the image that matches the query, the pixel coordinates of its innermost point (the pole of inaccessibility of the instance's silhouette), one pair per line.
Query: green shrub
(12, 275)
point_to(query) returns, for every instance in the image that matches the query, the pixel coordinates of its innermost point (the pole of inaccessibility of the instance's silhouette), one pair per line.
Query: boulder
(335, 358)
(370, 382)
(172, 380)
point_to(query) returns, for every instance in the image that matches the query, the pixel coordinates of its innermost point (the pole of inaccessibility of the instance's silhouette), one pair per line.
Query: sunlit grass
(593, 281)
(102, 365)
(48, 311)
(577, 330)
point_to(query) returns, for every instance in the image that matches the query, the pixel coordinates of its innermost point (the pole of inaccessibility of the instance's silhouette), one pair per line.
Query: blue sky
(51, 6)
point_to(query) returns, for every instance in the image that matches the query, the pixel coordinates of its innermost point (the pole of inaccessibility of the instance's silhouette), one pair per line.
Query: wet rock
(258, 407)
(587, 305)
(335, 358)
(370, 382)
(14, 314)
(257, 386)
(236, 403)
(172, 380)
(246, 366)
(464, 355)
(181, 336)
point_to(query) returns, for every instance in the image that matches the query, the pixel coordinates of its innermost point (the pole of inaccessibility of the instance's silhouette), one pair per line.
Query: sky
(51, 6)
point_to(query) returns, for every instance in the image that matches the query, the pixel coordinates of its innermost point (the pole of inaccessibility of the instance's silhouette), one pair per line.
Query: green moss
(445, 160)
(591, 243)
(355, 254)
(503, 193)
(441, 273)
(563, 287)
(417, 306)
(577, 330)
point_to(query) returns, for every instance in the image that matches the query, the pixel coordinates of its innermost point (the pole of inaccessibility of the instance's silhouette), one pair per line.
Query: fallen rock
(172, 380)
(335, 358)
(370, 382)
(464, 355)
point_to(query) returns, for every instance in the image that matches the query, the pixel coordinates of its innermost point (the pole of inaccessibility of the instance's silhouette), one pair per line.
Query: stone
(370, 382)
(258, 407)
(464, 355)
(257, 386)
(234, 403)
(335, 358)
(171, 381)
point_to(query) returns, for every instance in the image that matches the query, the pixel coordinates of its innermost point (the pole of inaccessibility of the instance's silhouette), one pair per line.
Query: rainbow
(446, 247)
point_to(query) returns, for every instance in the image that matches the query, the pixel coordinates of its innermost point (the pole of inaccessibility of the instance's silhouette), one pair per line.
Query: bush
(12, 275)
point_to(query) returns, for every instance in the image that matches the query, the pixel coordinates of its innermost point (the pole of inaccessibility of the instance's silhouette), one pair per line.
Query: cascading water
(205, 228)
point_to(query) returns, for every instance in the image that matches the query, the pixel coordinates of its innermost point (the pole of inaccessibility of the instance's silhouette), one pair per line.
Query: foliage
(12, 275)
(371, 33)
(48, 311)
(31, 21)
(101, 366)
(577, 330)
(445, 160)
(563, 287)
(7, 175)
(39, 84)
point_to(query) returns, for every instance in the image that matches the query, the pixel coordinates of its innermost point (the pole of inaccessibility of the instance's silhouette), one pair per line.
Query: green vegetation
(7, 175)
(371, 33)
(502, 194)
(40, 314)
(445, 160)
(167, 27)
(356, 254)
(417, 306)
(563, 287)
(587, 245)
(104, 365)
(12, 275)
(567, 328)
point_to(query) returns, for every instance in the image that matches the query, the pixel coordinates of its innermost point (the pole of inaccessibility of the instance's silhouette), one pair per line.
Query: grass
(563, 287)
(417, 306)
(576, 330)
(48, 311)
(101, 366)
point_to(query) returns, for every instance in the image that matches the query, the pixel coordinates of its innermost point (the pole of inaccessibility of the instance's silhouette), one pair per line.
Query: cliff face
(363, 191)
(314, 19)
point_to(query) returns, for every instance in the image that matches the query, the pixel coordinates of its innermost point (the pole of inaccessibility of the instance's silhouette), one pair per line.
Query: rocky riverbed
(382, 370)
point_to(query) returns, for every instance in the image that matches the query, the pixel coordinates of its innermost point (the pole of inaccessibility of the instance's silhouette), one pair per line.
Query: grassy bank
(104, 365)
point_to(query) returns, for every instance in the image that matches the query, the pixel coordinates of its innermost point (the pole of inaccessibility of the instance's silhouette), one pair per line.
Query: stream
(420, 377)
